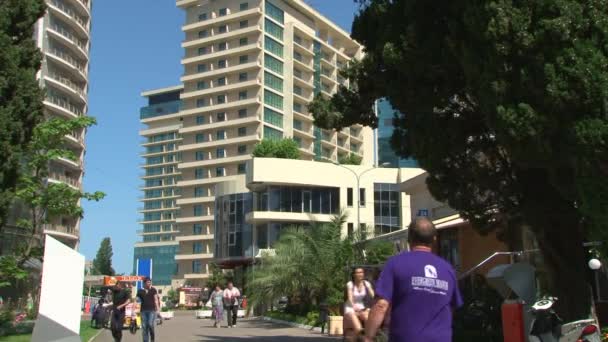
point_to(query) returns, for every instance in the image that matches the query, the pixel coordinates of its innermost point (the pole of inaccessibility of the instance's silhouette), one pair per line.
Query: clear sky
(135, 47)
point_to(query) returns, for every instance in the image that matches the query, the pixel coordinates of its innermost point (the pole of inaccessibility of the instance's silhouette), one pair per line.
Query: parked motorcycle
(547, 326)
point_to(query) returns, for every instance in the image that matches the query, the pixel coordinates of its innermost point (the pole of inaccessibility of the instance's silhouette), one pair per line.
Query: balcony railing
(67, 82)
(67, 34)
(160, 109)
(65, 179)
(66, 57)
(70, 12)
(62, 102)
(61, 229)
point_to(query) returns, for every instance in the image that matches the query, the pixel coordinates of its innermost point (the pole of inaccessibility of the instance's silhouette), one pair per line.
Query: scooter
(547, 326)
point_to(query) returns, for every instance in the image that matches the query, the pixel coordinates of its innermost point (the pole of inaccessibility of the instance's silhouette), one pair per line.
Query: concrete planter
(203, 314)
(336, 325)
(167, 314)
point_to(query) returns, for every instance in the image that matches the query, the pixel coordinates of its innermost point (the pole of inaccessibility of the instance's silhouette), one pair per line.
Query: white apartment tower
(63, 36)
(250, 69)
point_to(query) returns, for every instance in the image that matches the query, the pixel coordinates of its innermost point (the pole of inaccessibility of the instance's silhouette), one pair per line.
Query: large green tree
(506, 107)
(20, 93)
(284, 148)
(102, 263)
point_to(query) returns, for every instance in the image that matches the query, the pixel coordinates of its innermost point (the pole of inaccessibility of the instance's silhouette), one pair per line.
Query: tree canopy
(505, 105)
(102, 263)
(284, 148)
(20, 93)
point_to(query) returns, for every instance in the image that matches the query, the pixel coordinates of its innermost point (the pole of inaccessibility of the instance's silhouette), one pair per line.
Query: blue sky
(135, 47)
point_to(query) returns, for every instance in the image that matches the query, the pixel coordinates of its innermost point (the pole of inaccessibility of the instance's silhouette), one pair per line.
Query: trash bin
(516, 283)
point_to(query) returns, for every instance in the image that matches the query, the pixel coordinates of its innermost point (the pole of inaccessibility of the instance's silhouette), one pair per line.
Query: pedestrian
(231, 303)
(97, 316)
(217, 303)
(120, 299)
(421, 290)
(357, 307)
(150, 306)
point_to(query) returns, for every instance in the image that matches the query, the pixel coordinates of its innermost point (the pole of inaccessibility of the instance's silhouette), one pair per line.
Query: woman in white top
(356, 310)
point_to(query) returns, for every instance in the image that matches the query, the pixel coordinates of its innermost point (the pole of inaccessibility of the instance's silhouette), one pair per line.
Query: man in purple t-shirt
(420, 288)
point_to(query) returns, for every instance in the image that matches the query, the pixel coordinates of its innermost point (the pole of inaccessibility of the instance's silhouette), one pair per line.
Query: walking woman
(356, 309)
(217, 303)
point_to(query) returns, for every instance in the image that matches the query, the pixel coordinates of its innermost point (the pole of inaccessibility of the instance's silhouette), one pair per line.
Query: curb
(292, 324)
(96, 335)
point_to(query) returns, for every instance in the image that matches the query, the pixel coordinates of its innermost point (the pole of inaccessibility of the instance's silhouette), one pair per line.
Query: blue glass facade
(233, 236)
(385, 153)
(163, 262)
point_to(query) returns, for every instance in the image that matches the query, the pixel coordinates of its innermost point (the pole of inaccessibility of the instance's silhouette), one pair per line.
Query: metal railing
(68, 58)
(69, 35)
(62, 102)
(67, 82)
(70, 12)
(61, 228)
(65, 179)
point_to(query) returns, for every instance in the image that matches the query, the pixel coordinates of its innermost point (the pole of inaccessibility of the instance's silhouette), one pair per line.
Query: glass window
(199, 155)
(200, 103)
(243, 59)
(221, 81)
(242, 131)
(273, 81)
(297, 39)
(362, 197)
(203, 50)
(273, 99)
(197, 229)
(297, 107)
(242, 168)
(272, 117)
(198, 210)
(199, 173)
(220, 152)
(223, 12)
(297, 56)
(202, 16)
(273, 29)
(203, 34)
(243, 41)
(243, 95)
(262, 236)
(297, 73)
(201, 85)
(271, 133)
(351, 229)
(197, 266)
(222, 46)
(273, 46)
(219, 172)
(297, 124)
(221, 63)
(201, 68)
(197, 248)
(297, 90)
(349, 197)
(242, 113)
(222, 29)
(273, 64)
(274, 12)
(242, 149)
(221, 116)
(200, 120)
(220, 135)
(244, 6)
(221, 99)
(244, 24)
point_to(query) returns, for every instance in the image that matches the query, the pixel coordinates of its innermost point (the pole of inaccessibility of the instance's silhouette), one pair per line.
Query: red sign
(112, 280)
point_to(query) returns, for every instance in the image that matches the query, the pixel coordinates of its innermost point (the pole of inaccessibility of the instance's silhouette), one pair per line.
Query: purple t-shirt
(422, 290)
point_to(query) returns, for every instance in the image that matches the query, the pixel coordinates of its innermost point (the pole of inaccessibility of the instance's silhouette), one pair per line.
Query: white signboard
(61, 294)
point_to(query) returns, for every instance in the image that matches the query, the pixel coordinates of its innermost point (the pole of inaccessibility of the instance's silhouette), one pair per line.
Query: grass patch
(86, 332)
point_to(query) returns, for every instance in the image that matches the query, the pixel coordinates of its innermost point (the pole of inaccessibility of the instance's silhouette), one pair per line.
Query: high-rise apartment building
(250, 69)
(160, 177)
(63, 36)
(384, 153)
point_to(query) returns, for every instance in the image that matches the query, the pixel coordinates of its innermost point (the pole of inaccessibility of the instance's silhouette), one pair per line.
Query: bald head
(421, 232)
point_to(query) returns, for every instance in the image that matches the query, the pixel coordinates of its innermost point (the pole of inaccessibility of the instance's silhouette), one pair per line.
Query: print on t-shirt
(429, 282)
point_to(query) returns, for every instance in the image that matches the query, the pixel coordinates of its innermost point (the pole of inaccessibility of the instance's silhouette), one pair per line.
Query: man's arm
(124, 304)
(376, 317)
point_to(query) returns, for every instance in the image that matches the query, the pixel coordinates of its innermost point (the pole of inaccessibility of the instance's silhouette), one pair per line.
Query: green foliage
(506, 108)
(285, 148)
(173, 297)
(11, 271)
(217, 277)
(102, 264)
(20, 94)
(310, 265)
(351, 159)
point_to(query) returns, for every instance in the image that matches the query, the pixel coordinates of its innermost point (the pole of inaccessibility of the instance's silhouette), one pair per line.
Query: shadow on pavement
(207, 338)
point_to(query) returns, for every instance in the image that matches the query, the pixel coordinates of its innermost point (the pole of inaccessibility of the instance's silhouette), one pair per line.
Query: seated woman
(356, 308)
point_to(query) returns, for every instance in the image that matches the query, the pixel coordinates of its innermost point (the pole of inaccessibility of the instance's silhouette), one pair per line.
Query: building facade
(160, 177)
(250, 69)
(384, 153)
(63, 36)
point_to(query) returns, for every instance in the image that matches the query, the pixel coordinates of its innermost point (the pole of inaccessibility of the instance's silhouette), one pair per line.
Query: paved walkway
(184, 327)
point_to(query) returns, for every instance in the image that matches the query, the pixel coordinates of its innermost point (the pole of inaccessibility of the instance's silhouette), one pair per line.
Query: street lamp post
(358, 177)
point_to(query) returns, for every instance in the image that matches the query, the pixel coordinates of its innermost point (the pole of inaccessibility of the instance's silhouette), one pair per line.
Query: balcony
(271, 216)
(235, 51)
(160, 109)
(64, 105)
(198, 237)
(230, 69)
(82, 47)
(67, 85)
(61, 230)
(69, 61)
(215, 125)
(194, 219)
(194, 256)
(195, 200)
(219, 107)
(232, 35)
(196, 24)
(223, 89)
(74, 19)
(58, 177)
(214, 162)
